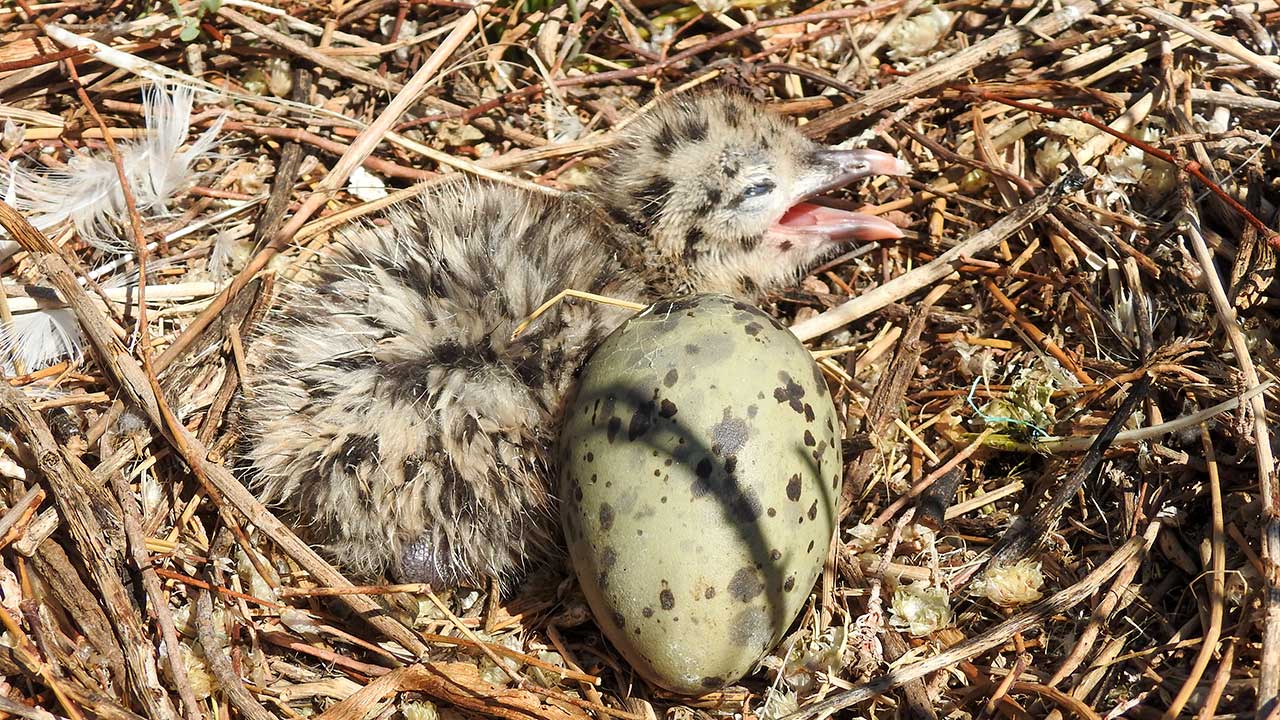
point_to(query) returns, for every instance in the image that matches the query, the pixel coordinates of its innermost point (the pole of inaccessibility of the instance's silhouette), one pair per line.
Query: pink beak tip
(878, 231)
(885, 164)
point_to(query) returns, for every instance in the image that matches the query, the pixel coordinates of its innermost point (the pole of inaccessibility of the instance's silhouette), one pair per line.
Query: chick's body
(389, 410)
(392, 412)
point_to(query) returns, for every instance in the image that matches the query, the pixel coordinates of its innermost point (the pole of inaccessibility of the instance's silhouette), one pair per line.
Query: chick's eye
(763, 187)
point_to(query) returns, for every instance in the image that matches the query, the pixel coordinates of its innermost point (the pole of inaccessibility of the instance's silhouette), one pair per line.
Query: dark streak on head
(664, 143)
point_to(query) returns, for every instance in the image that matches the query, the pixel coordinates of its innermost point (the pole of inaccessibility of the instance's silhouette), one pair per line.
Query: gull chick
(390, 412)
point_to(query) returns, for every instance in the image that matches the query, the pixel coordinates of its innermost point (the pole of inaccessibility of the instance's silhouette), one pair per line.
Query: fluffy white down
(87, 195)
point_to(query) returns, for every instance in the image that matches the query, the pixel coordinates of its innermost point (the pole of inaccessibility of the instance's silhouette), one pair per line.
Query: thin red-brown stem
(38, 60)
(1190, 167)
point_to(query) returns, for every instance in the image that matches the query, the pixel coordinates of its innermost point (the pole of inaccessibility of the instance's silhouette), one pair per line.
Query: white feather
(227, 250)
(87, 192)
(40, 338)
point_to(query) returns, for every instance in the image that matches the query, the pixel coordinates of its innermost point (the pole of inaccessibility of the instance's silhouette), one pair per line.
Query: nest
(1060, 492)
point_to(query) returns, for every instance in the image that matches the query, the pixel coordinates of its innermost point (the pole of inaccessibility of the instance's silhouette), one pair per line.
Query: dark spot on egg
(672, 376)
(772, 512)
(810, 548)
(711, 683)
(668, 409)
(750, 628)
(619, 620)
(703, 469)
(745, 585)
(775, 554)
(667, 599)
(813, 510)
(789, 392)
(753, 328)
(615, 424)
(793, 488)
(709, 593)
(647, 612)
(606, 517)
(809, 440)
(641, 421)
(730, 434)
(790, 584)
(808, 413)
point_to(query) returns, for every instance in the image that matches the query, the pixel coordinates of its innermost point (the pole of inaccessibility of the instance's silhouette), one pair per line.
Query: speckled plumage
(388, 410)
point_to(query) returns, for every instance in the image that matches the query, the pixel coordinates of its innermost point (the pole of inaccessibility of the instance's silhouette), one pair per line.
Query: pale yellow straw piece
(524, 324)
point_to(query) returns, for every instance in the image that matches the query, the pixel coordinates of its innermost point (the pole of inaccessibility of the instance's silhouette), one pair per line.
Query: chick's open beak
(807, 224)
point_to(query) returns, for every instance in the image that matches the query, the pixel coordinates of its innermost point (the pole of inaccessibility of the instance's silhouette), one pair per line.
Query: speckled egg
(699, 476)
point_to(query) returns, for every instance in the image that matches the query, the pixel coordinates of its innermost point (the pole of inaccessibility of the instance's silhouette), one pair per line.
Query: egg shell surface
(699, 478)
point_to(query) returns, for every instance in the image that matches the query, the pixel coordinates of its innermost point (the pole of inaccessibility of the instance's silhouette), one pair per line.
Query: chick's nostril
(863, 161)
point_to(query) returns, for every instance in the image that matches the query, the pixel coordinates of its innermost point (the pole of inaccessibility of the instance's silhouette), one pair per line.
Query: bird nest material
(1060, 497)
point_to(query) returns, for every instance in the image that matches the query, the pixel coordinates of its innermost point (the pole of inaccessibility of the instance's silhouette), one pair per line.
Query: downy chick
(390, 412)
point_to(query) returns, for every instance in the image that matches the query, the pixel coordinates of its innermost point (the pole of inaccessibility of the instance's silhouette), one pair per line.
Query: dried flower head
(920, 608)
(1012, 585)
(920, 34)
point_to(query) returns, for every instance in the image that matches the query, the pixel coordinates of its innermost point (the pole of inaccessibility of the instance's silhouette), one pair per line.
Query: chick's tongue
(816, 223)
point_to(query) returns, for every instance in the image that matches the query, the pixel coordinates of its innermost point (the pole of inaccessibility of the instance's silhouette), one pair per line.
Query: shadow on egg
(717, 456)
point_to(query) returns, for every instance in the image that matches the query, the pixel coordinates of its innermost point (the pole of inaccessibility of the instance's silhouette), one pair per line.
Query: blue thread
(993, 419)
